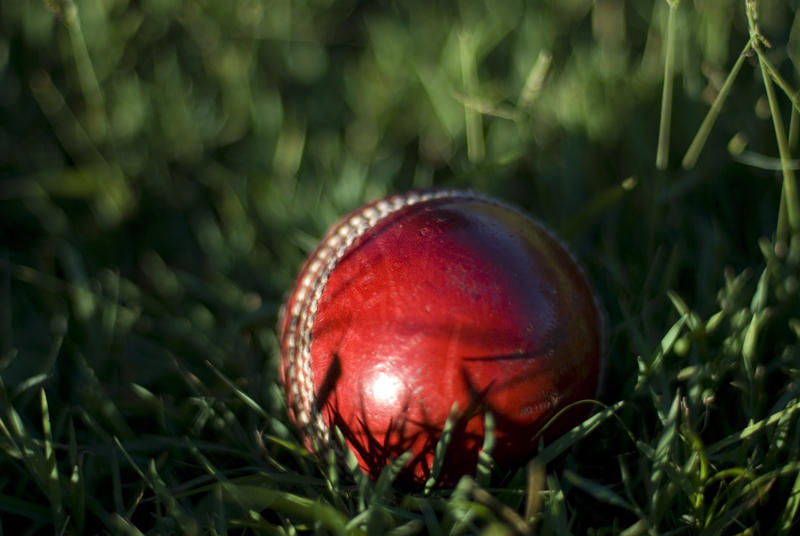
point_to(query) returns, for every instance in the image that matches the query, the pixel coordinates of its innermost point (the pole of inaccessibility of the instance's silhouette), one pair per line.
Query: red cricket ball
(420, 300)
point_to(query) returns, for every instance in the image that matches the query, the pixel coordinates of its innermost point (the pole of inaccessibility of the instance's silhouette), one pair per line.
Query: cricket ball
(425, 299)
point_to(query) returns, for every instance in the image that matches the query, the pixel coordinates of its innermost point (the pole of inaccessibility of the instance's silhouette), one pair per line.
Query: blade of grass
(241, 395)
(554, 449)
(53, 481)
(25, 509)
(485, 462)
(28, 384)
(511, 518)
(790, 204)
(693, 152)
(753, 429)
(22, 442)
(536, 481)
(76, 490)
(554, 519)
(789, 512)
(98, 397)
(86, 73)
(290, 505)
(598, 204)
(534, 81)
(469, 79)
(460, 510)
(382, 490)
(760, 161)
(776, 76)
(661, 459)
(225, 484)
(662, 153)
(647, 368)
(627, 482)
(598, 491)
(122, 526)
(187, 524)
(441, 448)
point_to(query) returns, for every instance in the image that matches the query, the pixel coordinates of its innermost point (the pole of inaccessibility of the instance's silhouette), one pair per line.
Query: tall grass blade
(288, 504)
(241, 395)
(534, 81)
(661, 459)
(53, 480)
(187, 524)
(485, 462)
(696, 147)
(789, 512)
(753, 429)
(662, 153)
(441, 448)
(790, 205)
(601, 493)
(557, 447)
(469, 79)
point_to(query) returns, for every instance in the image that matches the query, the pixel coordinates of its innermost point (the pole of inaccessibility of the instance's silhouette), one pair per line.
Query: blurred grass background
(166, 165)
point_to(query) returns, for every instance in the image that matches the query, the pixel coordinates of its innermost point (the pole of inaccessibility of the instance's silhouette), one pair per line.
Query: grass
(166, 165)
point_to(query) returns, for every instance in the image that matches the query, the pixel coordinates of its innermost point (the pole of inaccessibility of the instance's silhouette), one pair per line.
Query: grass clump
(166, 165)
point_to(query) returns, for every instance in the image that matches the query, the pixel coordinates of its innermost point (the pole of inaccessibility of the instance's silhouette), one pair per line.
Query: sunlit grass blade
(601, 493)
(695, 148)
(790, 204)
(84, 66)
(536, 481)
(510, 518)
(789, 513)
(692, 319)
(241, 395)
(469, 79)
(554, 517)
(753, 429)
(661, 459)
(409, 528)
(288, 504)
(29, 384)
(382, 489)
(76, 489)
(602, 201)
(122, 526)
(662, 153)
(22, 442)
(53, 479)
(534, 81)
(746, 496)
(781, 82)
(557, 447)
(655, 363)
(485, 462)
(441, 447)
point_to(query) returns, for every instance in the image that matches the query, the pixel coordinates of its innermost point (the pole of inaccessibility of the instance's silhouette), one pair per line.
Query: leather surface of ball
(422, 300)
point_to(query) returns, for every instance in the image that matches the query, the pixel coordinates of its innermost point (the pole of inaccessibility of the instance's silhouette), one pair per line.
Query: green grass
(166, 165)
